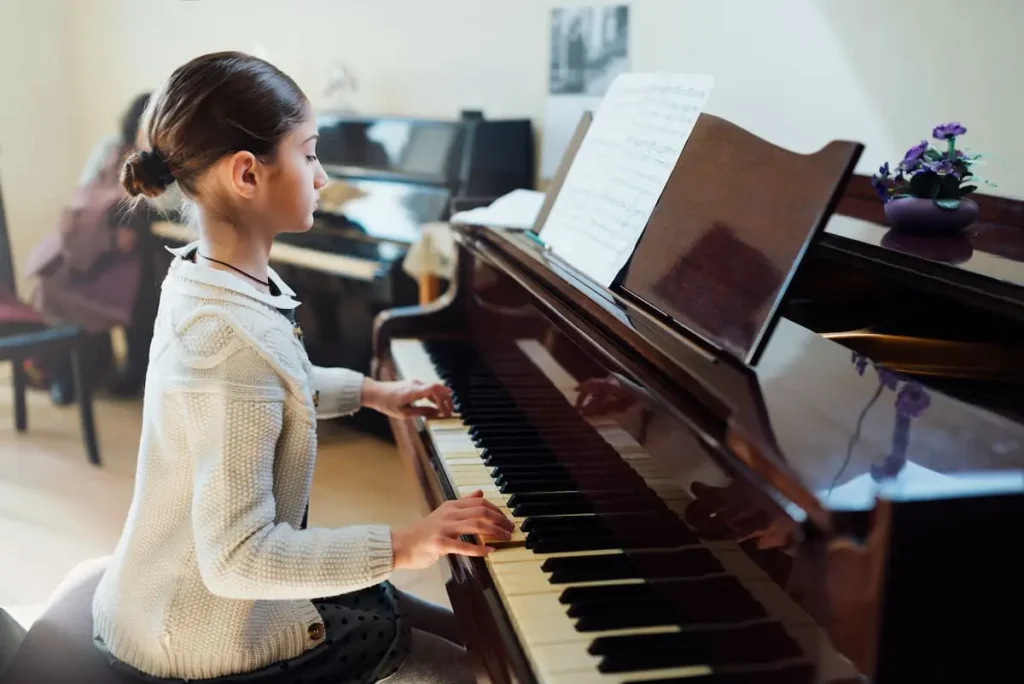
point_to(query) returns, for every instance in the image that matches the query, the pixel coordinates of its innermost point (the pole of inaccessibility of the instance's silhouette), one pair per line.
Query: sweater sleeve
(339, 391)
(234, 421)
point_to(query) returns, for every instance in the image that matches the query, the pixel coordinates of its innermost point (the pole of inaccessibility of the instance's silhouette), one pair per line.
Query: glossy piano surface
(709, 542)
(984, 249)
(427, 150)
(986, 256)
(983, 267)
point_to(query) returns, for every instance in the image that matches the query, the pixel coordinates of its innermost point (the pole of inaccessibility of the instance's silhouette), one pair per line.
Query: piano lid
(730, 230)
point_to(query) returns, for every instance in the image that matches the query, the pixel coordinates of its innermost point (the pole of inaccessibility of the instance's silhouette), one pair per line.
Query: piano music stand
(701, 223)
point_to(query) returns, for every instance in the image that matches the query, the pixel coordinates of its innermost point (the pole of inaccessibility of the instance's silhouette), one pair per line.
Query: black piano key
(567, 503)
(793, 674)
(553, 467)
(625, 505)
(550, 542)
(738, 645)
(709, 600)
(562, 484)
(625, 523)
(653, 565)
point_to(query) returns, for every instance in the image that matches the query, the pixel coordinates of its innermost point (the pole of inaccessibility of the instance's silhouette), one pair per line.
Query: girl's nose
(320, 177)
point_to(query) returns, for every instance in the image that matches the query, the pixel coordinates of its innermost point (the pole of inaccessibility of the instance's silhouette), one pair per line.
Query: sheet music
(621, 169)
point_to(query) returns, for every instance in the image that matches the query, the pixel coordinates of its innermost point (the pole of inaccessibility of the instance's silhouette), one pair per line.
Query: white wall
(38, 160)
(798, 72)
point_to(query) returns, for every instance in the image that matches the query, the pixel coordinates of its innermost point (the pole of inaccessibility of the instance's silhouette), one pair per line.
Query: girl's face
(290, 196)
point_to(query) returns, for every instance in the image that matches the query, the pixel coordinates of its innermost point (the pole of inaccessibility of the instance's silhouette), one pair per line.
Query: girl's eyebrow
(312, 137)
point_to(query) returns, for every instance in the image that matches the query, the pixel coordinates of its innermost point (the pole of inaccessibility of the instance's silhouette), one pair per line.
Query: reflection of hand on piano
(601, 396)
(733, 512)
(407, 398)
(421, 545)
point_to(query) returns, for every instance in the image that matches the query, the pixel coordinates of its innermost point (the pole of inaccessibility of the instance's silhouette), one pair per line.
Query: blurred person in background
(96, 269)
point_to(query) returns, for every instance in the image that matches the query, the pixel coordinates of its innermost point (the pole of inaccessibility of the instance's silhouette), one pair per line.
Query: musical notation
(621, 169)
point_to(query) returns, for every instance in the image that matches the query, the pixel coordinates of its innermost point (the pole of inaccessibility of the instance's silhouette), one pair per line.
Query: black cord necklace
(264, 283)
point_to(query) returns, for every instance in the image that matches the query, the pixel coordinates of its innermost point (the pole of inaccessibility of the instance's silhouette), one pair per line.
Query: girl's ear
(244, 173)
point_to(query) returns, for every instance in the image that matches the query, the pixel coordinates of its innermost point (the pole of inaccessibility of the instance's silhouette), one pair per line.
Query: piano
(710, 486)
(743, 497)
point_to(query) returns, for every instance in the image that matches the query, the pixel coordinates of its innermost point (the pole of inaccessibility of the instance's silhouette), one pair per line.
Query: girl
(214, 575)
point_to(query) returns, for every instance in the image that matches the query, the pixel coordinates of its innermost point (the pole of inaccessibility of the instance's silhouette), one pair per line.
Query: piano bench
(58, 648)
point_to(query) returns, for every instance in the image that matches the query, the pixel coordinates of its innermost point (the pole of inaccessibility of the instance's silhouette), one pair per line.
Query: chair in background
(23, 334)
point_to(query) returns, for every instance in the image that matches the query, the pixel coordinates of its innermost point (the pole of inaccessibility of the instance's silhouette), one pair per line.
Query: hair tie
(156, 167)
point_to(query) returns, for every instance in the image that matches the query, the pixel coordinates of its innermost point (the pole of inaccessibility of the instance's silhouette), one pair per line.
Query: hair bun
(146, 173)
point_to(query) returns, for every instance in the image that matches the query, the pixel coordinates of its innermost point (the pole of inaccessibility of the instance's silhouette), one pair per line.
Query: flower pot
(923, 217)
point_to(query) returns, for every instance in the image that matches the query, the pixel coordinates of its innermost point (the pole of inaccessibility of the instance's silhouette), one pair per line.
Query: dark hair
(214, 105)
(130, 119)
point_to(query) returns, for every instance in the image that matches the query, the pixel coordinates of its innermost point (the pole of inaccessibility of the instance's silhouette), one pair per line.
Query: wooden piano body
(743, 499)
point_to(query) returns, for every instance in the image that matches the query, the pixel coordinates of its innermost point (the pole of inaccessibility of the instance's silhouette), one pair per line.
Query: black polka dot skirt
(365, 640)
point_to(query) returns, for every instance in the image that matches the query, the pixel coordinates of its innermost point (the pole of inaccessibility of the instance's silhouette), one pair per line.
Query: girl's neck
(246, 251)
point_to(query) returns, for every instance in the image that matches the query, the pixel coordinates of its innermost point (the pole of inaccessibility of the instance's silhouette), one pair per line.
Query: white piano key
(542, 620)
(528, 578)
(412, 361)
(572, 663)
(519, 554)
(595, 677)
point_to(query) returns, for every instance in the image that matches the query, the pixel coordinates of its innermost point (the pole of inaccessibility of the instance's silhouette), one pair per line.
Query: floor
(56, 510)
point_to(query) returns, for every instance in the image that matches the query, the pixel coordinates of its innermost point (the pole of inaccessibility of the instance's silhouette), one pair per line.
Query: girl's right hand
(421, 545)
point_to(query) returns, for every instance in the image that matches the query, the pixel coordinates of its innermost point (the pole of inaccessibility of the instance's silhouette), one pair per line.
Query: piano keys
(705, 493)
(601, 568)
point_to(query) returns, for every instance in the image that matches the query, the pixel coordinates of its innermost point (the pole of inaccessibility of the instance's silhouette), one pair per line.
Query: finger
(478, 503)
(483, 528)
(414, 394)
(492, 515)
(439, 395)
(469, 500)
(462, 548)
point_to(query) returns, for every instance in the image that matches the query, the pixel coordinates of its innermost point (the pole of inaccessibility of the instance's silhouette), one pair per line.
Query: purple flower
(942, 167)
(880, 188)
(948, 130)
(912, 400)
(913, 156)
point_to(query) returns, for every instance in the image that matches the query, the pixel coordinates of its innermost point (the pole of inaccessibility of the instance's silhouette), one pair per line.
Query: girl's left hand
(397, 398)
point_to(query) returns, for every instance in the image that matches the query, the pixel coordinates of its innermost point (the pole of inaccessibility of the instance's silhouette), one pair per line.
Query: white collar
(222, 279)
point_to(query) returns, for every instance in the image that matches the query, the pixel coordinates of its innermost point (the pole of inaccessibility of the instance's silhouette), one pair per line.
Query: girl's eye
(311, 158)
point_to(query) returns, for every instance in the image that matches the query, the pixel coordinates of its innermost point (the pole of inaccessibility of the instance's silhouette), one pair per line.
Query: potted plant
(928, 190)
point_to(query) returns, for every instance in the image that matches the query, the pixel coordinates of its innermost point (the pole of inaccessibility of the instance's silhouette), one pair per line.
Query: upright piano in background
(389, 175)
(705, 490)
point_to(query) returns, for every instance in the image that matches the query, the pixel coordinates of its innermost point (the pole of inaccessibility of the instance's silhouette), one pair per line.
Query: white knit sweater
(212, 574)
